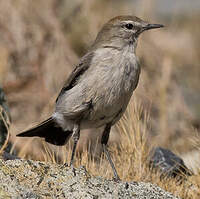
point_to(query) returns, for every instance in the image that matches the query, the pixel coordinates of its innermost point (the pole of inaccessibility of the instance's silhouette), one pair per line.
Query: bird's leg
(75, 136)
(104, 141)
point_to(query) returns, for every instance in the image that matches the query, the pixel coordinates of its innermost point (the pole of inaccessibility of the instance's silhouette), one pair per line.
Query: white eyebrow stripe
(133, 22)
(129, 21)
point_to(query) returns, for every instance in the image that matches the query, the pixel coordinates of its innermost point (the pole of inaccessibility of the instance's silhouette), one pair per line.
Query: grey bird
(98, 90)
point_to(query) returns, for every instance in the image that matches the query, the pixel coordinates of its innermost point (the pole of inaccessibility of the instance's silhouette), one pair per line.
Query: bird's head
(122, 30)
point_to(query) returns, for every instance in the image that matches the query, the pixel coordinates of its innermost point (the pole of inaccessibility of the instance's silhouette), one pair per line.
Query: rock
(7, 156)
(34, 179)
(4, 121)
(168, 163)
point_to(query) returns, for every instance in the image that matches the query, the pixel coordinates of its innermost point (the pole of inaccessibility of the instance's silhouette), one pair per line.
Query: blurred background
(42, 40)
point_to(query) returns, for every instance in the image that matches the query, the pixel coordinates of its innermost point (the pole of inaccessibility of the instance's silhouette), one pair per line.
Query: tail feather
(49, 130)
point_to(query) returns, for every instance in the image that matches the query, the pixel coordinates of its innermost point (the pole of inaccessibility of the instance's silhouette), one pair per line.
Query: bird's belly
(110, 100)
(104, 112)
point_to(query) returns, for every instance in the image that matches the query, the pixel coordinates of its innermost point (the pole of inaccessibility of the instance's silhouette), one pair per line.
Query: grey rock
(168, 163)
(4, 120)
(7, 156)
(34, 179)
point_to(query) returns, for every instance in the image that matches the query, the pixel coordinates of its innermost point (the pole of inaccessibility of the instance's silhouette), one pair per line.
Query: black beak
(152, 26)
(148, 26)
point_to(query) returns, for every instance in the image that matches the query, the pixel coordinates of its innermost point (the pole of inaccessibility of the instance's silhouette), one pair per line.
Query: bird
(98, 90)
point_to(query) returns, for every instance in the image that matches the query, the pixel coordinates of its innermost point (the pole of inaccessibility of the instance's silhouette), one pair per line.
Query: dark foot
(126, 185)
(65, 164)
(73, 170)
(71, 167)
(116, 179)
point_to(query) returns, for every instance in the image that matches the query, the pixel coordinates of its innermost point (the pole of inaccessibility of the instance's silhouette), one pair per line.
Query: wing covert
(76, 73)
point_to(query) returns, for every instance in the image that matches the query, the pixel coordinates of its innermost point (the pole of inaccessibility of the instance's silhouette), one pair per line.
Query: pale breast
(116, 77)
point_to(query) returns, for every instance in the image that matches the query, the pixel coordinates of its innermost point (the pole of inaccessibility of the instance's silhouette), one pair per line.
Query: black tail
(49, 130)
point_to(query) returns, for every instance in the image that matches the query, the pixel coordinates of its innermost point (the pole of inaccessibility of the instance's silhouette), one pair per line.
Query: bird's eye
(129, 26)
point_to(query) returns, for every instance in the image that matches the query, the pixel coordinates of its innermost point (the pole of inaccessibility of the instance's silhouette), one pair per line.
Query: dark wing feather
(76, 73)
